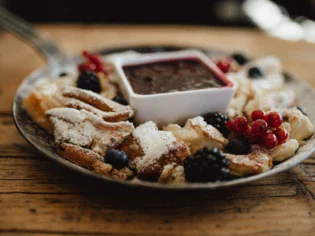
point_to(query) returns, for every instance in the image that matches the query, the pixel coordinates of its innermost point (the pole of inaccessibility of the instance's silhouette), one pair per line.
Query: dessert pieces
(284, 150)
(197, 134)
(88, 127)
(257, 161)
(269, 101)
(91, 129)
(260, 86)
(105, 108)
(150, 149)
(300, 125)
(47, 95)
(85, 129)
(91, 161)
(172, 174)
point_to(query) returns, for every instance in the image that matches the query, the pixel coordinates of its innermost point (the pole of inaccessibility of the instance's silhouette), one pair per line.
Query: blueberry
(238, 147)
(302, 109)
(120, 99)
(63, 74)
(90, 81)
(255, 73)
(240, 58)
(118, 159)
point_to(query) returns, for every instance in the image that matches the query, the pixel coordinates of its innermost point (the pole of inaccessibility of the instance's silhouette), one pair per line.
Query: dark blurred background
(211, 12)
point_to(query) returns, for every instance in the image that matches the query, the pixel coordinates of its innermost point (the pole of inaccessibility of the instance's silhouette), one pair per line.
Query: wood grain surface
(39, 197)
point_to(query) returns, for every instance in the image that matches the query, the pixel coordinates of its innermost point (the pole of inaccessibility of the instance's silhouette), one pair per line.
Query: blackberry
(238, 147)
(206, 165)
(240, 58)
(118, 159)
(218, 121)
(255, 73)
(90, 81)
(120, 99)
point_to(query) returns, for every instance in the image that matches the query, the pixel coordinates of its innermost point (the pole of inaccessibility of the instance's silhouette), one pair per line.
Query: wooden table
(39, 197)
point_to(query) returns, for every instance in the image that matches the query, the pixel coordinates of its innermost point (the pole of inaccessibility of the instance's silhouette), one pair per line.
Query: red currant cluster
(264, 129)
(94, 63)
(224, 64)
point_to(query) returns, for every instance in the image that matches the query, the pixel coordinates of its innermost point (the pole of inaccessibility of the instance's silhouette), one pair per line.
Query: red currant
(249, 136)
(281, 134)
(87, 66)
(241, 124)
(95, 59)
(100, 68)
(86, 54)
(270, 140)
(224, 64)
(260, 128)
(257, 114)
(230, 125)
(274, 119)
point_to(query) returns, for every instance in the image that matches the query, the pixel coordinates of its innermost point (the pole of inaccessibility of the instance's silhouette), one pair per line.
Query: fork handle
(45, 46)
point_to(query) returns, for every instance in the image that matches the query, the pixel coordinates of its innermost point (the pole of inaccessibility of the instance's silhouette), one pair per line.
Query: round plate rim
(142, 184)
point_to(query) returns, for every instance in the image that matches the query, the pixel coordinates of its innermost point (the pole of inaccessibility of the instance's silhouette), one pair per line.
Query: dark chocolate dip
(171, 76)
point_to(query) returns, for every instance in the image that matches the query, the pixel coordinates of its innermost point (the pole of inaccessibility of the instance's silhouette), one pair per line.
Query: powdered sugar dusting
(69, 126)
(198, 121)
(87, 130)
(153, 142)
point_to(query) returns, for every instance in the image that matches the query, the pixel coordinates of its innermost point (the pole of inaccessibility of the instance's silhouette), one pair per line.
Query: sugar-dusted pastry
(257, 161)
(198, 134)
(269, 101)
(85, 129)
(105, 108)
(172, 174)
(47, 95)
(301, 127)
(284, 151)
(150, 149)
(92, 161)
(91, 127)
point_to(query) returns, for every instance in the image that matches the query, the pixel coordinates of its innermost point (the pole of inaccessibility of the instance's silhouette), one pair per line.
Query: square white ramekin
(174, 107)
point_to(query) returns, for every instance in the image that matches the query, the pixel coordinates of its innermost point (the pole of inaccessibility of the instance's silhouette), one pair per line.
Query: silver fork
(47, 48)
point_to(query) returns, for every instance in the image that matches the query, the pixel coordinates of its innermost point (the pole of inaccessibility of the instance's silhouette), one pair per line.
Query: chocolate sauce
(171, 76)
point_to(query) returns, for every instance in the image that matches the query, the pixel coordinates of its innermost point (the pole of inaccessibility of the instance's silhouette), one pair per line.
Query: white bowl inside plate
(174, 107)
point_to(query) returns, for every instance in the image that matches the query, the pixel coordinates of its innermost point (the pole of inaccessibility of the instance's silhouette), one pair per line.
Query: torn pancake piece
(92, 161)
(150, 149)
(87, 130)
(257, 161)
(197, 134)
